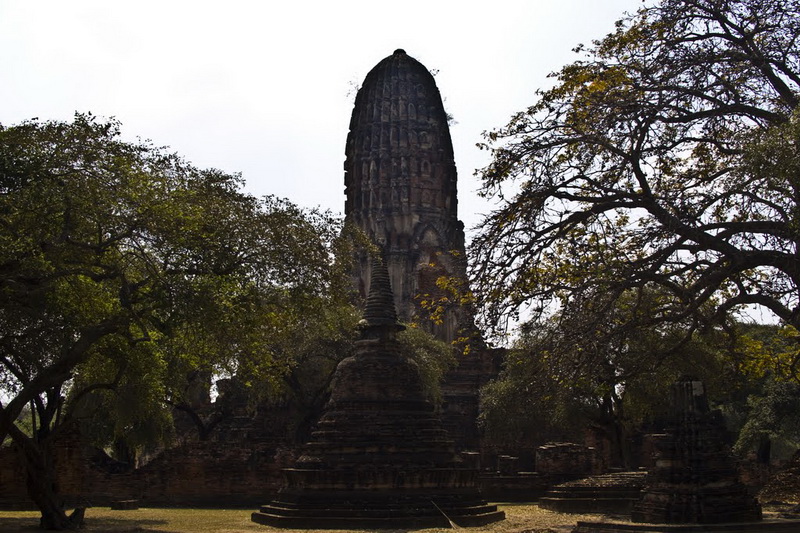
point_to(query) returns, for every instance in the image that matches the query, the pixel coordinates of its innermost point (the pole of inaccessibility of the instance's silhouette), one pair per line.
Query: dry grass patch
(519, 518)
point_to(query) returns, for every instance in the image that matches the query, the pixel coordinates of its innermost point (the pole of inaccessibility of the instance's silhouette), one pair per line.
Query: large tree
(558, 379)
(124, 268)
(664, 162)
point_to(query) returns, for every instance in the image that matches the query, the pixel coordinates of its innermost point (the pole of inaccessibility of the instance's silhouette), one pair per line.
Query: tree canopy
(124, 268)
(656, 181)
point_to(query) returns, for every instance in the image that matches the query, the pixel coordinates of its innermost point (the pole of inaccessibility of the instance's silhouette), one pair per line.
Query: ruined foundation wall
(216, 474)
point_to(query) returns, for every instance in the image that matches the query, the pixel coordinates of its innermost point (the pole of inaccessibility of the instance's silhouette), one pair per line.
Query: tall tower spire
(400, 182)
(380, 312)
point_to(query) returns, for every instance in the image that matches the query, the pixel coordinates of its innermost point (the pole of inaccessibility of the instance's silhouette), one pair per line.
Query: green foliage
(645, 201)
(575, 372)
(525, 405)
(769, 351)
(125, 270)
(433, 357)
(119, 397)
(763, 409)
(663, 164)
(772, 415)
(322, 340)
(73, 226)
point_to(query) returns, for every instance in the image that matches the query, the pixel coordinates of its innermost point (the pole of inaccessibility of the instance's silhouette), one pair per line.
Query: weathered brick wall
(200, 473)
(214, 474)
(13, 493)
(69, 479)
(565, 460)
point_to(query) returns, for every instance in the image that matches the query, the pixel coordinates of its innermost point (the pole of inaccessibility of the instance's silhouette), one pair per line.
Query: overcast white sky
(265, 88)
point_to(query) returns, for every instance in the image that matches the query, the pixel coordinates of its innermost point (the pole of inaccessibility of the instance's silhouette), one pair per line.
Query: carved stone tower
(400, 183)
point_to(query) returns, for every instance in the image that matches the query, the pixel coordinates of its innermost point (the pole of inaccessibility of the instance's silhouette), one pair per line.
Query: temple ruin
(401, 191)
(695, 479)
(400, 185)
(379, 456)
(694, 485)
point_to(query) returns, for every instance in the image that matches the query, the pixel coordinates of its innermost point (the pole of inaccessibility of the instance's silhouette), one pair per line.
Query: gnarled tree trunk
(41, 483)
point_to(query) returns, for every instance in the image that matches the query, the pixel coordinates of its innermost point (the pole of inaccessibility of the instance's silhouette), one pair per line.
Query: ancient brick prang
(400, 184)
(401, 191)
(379, 456)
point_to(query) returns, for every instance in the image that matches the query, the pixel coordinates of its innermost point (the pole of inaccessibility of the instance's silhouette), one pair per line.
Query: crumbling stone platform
(778, 526)
(368, 509)
(607, 493)
(124, 505)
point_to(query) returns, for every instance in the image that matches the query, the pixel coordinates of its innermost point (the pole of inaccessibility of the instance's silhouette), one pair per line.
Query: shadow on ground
(92, 524)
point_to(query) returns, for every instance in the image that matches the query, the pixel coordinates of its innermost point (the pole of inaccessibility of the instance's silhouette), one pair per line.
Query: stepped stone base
(706, 504)
(520, 487)
(609, 493)
(778, 526)
(376, 509)
(379, 456)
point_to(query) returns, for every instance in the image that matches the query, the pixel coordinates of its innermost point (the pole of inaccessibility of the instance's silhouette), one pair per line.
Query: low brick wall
(565, 460)
(211, 474)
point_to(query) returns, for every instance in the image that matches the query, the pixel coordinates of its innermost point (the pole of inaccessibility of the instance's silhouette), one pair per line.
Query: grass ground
(519, 518)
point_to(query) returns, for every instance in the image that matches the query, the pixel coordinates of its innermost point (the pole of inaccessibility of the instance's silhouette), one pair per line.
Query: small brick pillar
(564, 460)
